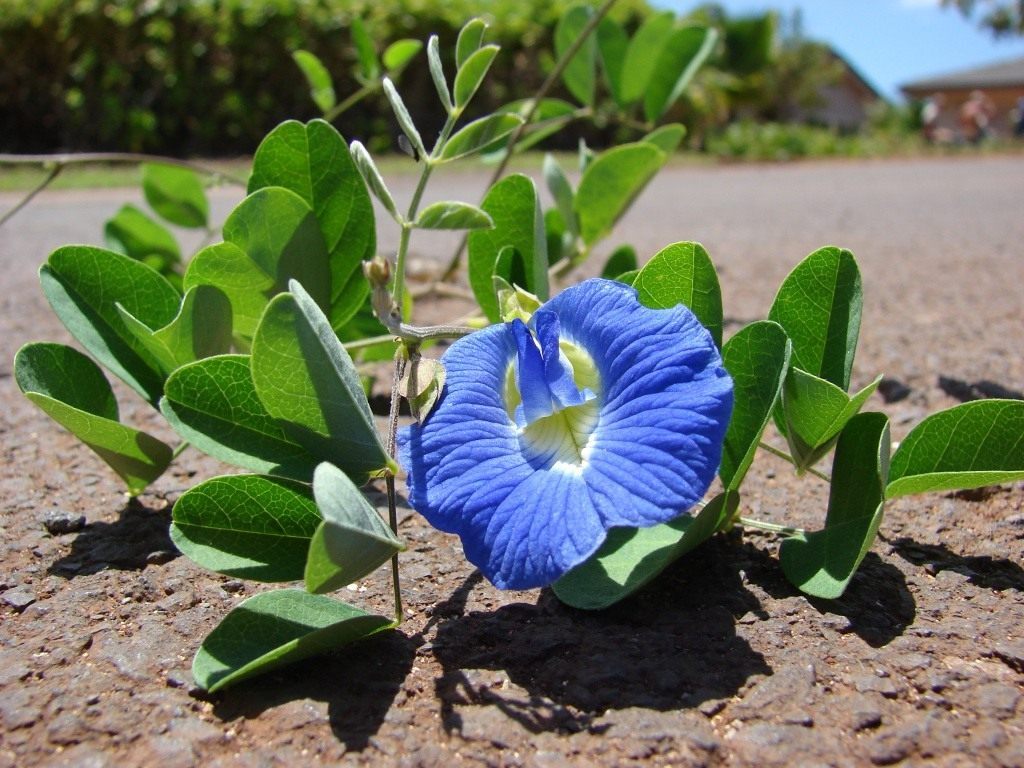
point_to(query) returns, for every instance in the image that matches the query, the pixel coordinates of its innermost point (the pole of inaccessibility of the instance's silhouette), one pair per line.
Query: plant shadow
(358, 684)
(981, 570)
(877, 603)
(673, 645)
(138, 538)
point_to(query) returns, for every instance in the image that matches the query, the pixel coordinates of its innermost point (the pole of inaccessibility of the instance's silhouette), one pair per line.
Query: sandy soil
(719, 662)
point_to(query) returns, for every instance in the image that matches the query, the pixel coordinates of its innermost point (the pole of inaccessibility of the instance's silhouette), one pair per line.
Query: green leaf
(84, 285)
(403, 117)
(135, 234)
(551, 116)
(248, 526)
(313, 161)
(452, 215)
(623, 259)
(610, 184)
(369, 67)
(321, 88)
(276, 628)
(213, 404)
(399, 55)
(176, 194)
(352, 541)
(472, 73)
(373, 179)
(667, 138)
(271, 237)
(819, 306)
(631, 557)
(437, 73)
(682, 273)
(967, 446)
(683, 54)
(627, 278)
(561, 191)
(612, 44)
(479, 134)
(757, 359)
(816, 411)
(304, 376)
(202, 328)
(513, 206)
(72, 390)
(823, 562)
(643, 54)
(579, 74)
(470, 39)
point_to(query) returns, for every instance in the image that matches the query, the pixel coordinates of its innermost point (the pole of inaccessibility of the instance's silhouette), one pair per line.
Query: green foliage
(682, 273)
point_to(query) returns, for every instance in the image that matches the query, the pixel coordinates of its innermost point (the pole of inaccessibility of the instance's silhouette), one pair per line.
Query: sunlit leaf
(272, 629)
(643, 54)
(612, 44)
(453, 215)
(478, 134)
(579, 74)
(403, 117)
(610, 184)
(249, 526)
(72, 390)
(133, 233)
(681, 57)
(176, 194)
(471, 74)
(967, 446)
(667, 138)
(437, 73)
(682, 273)
(399, 55)
(369, 67)
(470, 39)
(321, 87)
(822, 563)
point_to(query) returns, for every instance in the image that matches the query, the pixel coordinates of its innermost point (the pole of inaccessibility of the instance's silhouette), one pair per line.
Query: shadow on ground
(672, 645)
(139, 537)
(982, 571)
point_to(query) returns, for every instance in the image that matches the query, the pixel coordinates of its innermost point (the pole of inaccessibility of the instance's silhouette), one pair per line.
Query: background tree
(1002, 17)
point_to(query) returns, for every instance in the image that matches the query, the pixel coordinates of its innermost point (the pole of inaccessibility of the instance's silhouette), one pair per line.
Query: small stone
(1011, 654)
(875, 684)
(19, 598)
(998, 700)
(60, 523)
(233, 585)
(160, 556)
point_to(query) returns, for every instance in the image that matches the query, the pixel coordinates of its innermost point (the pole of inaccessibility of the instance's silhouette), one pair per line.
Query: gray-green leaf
(303, 375)
(823, 562)
(213, 404)
(479, 134)
(452, 215)
(469, 41)
(437, 73)
(352, 541)
(471, 74)
(631, 557)
(276, 628)
(72, 390)
(248, 526)
(682, 273)
(403, 117)
(967, 446)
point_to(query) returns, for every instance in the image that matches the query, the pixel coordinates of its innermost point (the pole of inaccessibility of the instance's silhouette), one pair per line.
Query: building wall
(1003, 99)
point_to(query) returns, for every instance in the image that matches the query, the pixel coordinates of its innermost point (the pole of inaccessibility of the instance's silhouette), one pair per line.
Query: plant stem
(547, 85)
(53, 174)
(179, 449)
(389, 477)
(83, 158)
(786, 530)
(352, 99)
(783, 455)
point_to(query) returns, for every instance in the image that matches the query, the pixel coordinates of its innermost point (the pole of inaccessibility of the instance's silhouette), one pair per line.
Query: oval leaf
(757, 359)
(610, 184)
(513, 205)
(612, 44)
(579, 73)
(471, 74)
(135, 234)
(276, 628)
(967, 446)
(479, 134)
(303, 375)
(437, 73)
(683, 54)
(643, 54)
(823, 562)
(682, 273)
(453, 215)
(176, 194)
(470, 39)
(399, 54)
(631, 557)
(622, 260)
(213, 404)
(369, 67)
(352, 541)
(667, 138)
(819, 306)
(403, 117)
(72, 390)
(84, 285)
(314, 162)
(321, 88)
(248, 526)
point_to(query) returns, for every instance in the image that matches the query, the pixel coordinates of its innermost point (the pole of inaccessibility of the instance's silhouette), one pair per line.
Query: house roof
(999, 75)
(856, 74)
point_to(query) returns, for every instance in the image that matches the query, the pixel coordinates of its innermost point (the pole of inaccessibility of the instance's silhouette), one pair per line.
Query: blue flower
(600, 413)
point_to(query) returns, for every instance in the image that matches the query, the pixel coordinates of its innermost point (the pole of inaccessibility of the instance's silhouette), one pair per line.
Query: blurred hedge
(209, 77)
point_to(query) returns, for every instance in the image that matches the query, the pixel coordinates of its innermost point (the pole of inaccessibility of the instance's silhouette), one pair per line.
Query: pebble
(59, 523)
(19, 598)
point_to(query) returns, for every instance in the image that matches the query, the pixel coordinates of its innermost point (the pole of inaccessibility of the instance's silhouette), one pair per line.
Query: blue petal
(525, 520)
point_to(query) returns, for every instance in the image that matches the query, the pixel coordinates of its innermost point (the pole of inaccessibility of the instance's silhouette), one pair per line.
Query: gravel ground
(719, 662)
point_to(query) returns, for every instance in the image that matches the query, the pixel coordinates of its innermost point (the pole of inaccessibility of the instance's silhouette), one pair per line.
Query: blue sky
(888, 41)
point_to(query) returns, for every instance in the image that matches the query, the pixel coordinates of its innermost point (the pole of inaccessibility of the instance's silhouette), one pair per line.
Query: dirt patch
(719, 662)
